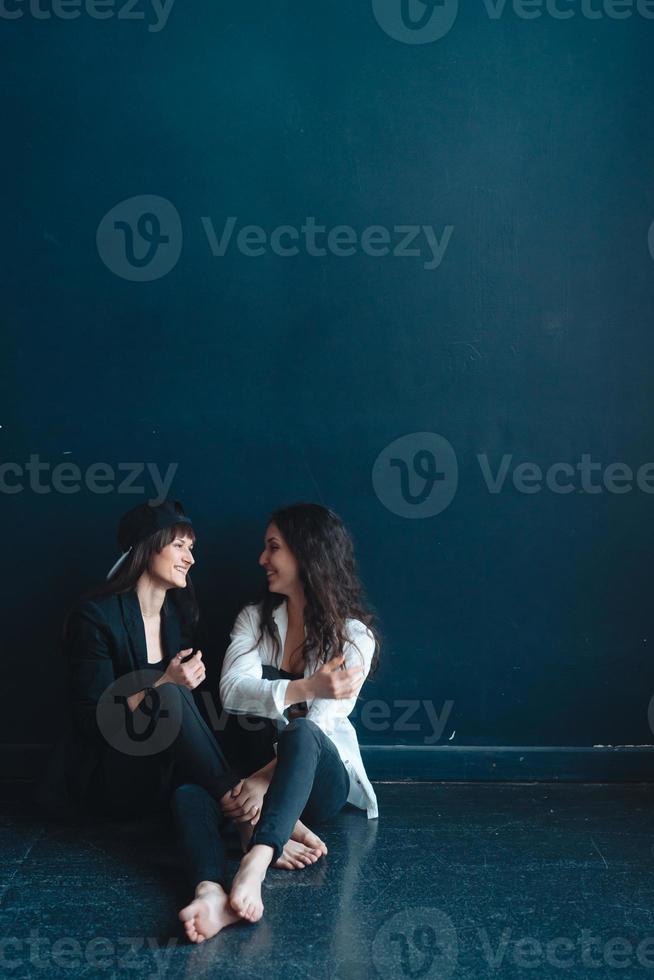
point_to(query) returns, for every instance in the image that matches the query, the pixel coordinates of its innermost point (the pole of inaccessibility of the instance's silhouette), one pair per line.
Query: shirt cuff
(279, 696)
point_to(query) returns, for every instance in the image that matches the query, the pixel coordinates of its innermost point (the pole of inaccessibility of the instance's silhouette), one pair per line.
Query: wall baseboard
(460, 763)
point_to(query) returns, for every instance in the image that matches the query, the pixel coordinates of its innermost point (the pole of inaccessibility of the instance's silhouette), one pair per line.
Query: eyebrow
(272, 538)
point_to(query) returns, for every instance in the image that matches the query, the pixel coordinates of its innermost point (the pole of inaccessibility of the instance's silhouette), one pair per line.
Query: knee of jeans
(188, 794)
(303, 726)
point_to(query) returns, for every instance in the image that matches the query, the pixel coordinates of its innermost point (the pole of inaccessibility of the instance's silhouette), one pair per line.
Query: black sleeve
(90, 666)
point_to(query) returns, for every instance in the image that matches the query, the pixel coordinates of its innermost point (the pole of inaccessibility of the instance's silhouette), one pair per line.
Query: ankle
(207, 888)
(260, 854)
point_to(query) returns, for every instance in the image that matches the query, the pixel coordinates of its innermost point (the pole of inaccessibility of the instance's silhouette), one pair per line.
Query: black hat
(145, 520)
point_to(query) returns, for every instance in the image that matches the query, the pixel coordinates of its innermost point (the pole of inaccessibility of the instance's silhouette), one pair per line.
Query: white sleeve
(242, 688)
(359, 650)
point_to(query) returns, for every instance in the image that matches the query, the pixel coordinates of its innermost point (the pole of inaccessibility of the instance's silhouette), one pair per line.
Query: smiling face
(279, 563)
(170, 566)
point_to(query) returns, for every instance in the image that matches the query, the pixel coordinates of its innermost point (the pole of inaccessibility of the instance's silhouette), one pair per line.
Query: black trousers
(310, 782)
(129, 785)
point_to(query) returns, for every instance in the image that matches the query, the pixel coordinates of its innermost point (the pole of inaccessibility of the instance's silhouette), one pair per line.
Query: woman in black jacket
(139, 741)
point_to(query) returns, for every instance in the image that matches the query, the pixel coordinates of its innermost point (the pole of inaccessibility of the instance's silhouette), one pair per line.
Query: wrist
(265, 774)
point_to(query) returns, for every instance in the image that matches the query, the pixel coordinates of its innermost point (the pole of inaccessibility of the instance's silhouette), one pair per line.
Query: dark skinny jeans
(310, 782)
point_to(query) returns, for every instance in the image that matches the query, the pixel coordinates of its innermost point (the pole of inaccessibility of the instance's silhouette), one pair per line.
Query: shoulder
(102, 609)
(361, 638)
(358, 631)
(249, 617)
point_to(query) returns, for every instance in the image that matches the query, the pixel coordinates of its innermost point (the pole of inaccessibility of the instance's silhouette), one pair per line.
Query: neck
(151, 595)
(295, 603)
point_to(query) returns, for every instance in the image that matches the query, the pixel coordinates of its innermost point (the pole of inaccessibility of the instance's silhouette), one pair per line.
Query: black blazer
(105, 640)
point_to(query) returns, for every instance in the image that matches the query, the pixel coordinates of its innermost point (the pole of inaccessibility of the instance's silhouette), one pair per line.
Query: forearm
(135, 699)
(298, 691)
(267, 772)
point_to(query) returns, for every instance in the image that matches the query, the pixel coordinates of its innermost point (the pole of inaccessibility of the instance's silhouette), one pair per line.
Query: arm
(91, 669)
(242, 687)
(357, 654)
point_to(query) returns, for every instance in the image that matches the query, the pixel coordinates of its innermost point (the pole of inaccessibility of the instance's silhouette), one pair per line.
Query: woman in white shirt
(299, 657)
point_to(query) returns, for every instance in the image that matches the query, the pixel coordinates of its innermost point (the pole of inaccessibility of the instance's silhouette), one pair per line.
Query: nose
(189, 559)
(263, 558)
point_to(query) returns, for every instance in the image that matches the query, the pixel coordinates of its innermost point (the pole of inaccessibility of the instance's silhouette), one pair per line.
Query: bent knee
(188, 793)
(302, 726)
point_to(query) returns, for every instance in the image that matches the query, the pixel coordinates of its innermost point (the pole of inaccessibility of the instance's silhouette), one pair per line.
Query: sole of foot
(207, 914)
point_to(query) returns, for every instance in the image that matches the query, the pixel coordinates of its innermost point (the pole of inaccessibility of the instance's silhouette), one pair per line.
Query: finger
(235, 806)
(199, 654)
(237, 789)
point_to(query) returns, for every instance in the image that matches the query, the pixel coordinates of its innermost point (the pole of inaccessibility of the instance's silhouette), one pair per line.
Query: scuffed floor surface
(453, 880)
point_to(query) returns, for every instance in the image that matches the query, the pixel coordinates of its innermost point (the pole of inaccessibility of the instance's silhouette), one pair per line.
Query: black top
(271, 673)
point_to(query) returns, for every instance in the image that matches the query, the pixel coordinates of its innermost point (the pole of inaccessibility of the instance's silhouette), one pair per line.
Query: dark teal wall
(269, 379)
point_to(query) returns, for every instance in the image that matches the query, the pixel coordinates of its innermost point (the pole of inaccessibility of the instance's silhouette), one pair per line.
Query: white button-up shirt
(244, 691)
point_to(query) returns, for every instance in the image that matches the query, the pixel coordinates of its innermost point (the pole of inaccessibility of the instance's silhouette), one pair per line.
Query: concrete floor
(453, 880)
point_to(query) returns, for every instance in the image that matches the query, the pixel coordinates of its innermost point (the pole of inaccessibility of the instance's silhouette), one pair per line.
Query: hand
(329, 681)
(190, 674)
(243, 803)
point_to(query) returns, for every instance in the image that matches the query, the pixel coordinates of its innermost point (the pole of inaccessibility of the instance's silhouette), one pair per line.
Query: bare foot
(303, 835)
(245, 896)
(296, 855)
(208, 913)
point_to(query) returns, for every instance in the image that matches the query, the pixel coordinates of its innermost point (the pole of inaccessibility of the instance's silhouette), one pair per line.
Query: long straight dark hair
(137, 562)
(324, 552)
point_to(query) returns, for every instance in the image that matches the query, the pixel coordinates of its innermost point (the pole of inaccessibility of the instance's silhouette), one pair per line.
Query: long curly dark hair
(324, 552)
